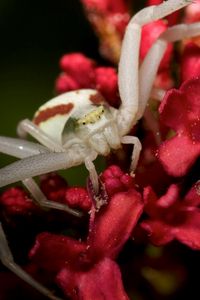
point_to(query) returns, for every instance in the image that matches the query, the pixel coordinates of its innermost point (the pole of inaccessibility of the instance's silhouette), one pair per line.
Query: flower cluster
(103, 79)
(112, 251)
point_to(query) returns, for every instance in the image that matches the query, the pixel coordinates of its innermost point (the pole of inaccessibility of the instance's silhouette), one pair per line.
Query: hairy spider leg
(22, 149)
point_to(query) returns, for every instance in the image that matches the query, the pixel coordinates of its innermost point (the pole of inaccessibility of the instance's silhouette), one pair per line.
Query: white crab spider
(77, 126)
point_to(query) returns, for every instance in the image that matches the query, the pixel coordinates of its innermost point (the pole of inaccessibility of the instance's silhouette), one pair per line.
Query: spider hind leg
(7, 260)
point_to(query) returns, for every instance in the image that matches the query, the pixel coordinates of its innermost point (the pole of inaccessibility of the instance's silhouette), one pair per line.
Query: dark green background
(34, 35)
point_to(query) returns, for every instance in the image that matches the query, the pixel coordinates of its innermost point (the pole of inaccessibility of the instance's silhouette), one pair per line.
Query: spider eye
(92, 117)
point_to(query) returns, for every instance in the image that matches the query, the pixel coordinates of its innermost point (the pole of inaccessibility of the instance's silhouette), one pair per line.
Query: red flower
(164, 79)
(103, 281)
(116, 181)
(78, 197)
(109, 19)
(107, 6)
(180, 111)
(54, 187)
(150, 33)
(171, 217)
(15, 201)
(65, 83)
(192, 12)
(81, 72)
(116, 12)
(79, 68)
(86, 270)
(106, 82)
(190, 61)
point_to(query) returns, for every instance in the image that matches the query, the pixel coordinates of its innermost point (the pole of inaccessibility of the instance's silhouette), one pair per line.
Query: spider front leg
(37, 164)
(24, 127)
(129, 61)
(20, 148)
(27, 126)
(150, 65)
(136, 150)
(40, 199)
(92, 170)
(7, 260)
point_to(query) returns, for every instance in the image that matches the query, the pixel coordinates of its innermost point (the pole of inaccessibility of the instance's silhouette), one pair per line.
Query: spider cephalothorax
(80, 118)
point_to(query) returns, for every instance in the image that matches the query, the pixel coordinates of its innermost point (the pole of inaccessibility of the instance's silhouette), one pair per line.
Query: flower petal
(52, 252)
(159, 233)
(178, 154)
(114, 223)
(102, 282)
(189, 232)
(190, 61)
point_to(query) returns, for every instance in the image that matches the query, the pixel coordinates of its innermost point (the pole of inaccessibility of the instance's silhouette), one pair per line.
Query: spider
(75, 127)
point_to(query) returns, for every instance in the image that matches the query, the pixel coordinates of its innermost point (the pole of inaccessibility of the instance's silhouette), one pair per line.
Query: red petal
(159, 232)
(114, 224)
(189, 232)
(190, 62)
(52, 252)
(150, 33)
(170, 108)
(150, 199)
(102, 282)
(178, 154)
(192, 12)
(170, 198)
(180, 109)
(193, 196)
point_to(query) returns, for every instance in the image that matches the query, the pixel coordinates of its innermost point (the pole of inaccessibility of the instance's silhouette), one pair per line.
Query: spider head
(93, 125)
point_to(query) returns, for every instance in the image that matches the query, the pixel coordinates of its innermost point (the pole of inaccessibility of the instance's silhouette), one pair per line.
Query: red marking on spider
(52, 112)
(97, 98)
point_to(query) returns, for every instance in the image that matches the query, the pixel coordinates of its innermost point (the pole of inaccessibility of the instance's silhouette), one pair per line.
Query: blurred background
(34, 35)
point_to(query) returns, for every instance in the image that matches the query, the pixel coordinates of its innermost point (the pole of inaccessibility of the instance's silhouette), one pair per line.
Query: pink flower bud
(116, 181)
(79, 67)
(65, 83)
(77, 197)
(54, 187)
(16, 201)
(106, 83)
